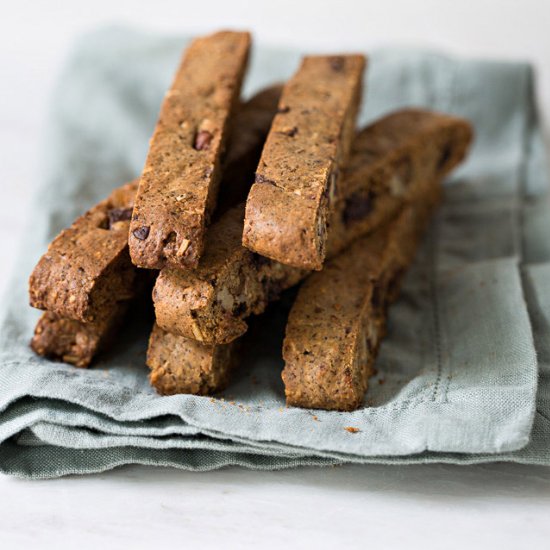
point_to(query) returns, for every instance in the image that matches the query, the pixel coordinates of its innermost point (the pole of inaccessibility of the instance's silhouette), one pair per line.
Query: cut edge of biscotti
(180, 180)
(302, 160)
(183, 365)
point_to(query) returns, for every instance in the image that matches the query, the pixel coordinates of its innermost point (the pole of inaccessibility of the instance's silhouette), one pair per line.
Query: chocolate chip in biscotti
(141, 232)
(186, 153)
(289, 223)
(231, 283)
(259, 178)
(119, 215)
(337, 63)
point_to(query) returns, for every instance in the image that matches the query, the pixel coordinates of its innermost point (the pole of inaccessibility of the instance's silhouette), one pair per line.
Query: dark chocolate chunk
(141, 233)
(119, 215)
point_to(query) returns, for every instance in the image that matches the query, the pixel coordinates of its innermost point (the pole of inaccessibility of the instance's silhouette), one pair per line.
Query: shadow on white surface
(464, 482)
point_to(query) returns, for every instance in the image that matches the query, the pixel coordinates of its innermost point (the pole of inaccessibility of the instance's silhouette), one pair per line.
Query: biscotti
(231, 283)
(180, 180)
(73, 342)
(307, 146)
(338, 318)
(183, 365)
(86, 270)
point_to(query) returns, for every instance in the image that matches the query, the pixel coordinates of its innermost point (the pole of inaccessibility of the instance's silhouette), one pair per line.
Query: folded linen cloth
(468, 339)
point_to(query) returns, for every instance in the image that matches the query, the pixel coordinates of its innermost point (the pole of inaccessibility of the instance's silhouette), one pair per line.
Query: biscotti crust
(87, 269)
(179, 183)
(182, 365)
(308, 145)
(339, 316)
(212, 303)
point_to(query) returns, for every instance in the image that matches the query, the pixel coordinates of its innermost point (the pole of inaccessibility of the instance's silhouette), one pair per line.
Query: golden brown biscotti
(299, 170)
(86, 270)
(179, 184)
(74, 342)
(182, 365)
(212, 303)
(339, 316)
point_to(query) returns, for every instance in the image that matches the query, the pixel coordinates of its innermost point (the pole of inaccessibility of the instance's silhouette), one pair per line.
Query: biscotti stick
(86, 270)
(338, 318)
(63, 339)
(212, 303)
(180, 180)
(307, 146)
(182, 365)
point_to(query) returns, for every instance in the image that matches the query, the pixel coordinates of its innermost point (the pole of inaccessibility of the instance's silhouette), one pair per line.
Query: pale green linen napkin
(459, 364)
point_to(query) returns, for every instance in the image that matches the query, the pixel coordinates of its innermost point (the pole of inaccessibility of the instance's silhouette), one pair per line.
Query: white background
(498, 506)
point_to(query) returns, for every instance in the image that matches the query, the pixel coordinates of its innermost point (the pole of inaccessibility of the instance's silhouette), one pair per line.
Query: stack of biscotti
(397, 161)
(85, 282)
(238, 202)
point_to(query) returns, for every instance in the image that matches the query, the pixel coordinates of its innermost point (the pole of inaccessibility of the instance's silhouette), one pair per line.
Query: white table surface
(493, 506)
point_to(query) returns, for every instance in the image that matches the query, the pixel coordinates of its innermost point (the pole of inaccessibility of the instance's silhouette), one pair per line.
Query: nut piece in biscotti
(249, 130)
(299, 170)
(183, 365)
(212, 303)
(86, 270)
(74, 342)
(179, 184)
(338, 319)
